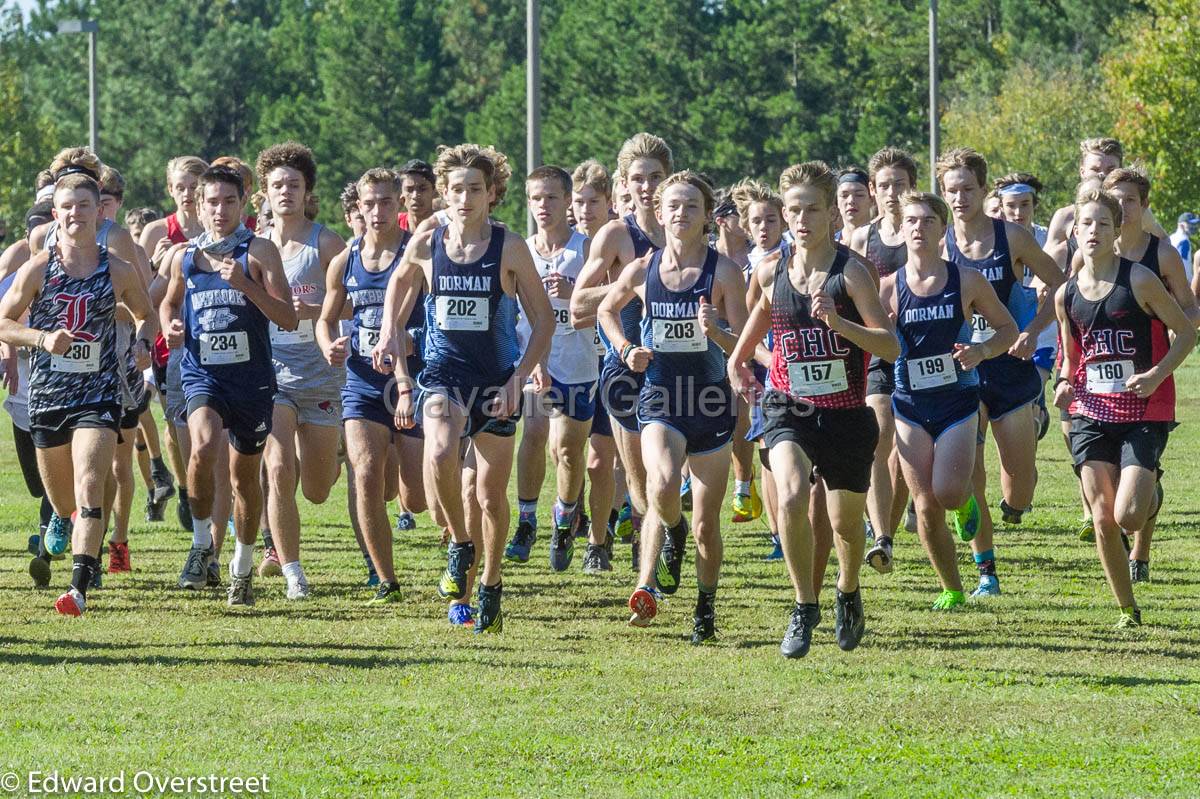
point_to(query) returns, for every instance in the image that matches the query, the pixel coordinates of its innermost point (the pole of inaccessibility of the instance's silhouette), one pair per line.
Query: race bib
(462, 313)
(367, 339)
(598, 343)
(981, 331)
(303, 334)
(1108, 377)
(217, 349)
(816, 378)
(679, 335)
(562, 321)
(81, 357)
(933, 371)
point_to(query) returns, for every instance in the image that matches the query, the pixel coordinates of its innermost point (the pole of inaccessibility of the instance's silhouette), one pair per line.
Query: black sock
(182, 494)
(705, 599)
(267, 542)
(612, 518)
(157, 466)
(47, 510)
(987, 568)
(884, 539)
(84, 568)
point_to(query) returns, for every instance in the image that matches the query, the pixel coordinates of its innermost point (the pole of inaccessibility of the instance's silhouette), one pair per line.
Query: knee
(1132, 516)
(952, 496)
(315, 491)
(1104, 521)
(493, 504)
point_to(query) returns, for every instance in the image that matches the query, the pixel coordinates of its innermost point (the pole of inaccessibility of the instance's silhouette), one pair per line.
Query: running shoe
(1087, 531)
(241, 591)
(522, 542)
(195, 568)
(966, 519)
(776, 552)
(585, 525)
(644, 604)
(947, 600)
(849, 622)
(405, 521)
(1130, 618)
(270, 566)
(704, 624)
(747, 507)
(70, 603)
(879, 557)
(160, 495)
(459, 559)
(596, 560)
(118, 557)
(868, 532)
(1139, 571)
(670, 560)
(910, 517)
(34, 544)
(58, 535)
(372, 575)
(214, 572)
(798, 638)
(387, 594)
(624, 526)
(183, 511)
(685, 494)
(489, 618)
(154, 511)
(39, 570)
(989, 586)
(299, 590)
(1010, 515)
(562, 543)
(97, 581)
(461, 615)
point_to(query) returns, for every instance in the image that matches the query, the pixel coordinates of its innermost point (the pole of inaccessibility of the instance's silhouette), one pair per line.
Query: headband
(45, 194)
(852, 177)
(1018, 188)
(726, 208)
(75, 169)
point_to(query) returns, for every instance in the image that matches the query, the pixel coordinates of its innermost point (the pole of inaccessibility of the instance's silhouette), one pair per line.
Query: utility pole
(533, 94)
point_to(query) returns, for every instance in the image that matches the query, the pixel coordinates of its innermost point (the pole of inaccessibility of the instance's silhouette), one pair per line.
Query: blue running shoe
(685, 494)
(35, 542)
(624, 526)
(461, 615)
(776, 553)
(989, 586)
(522, 542)
(58, 535)
(405, 522)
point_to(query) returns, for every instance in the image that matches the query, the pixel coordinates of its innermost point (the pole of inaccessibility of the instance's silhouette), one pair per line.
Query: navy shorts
(371, 407)
(1006, 384)
(576, 400)
(840, 442)
(248, 419)
(129, 419)
(475, 401)
(704, 414)
(936, 411)
(1119, 443)
(620, 389)
(881, 377)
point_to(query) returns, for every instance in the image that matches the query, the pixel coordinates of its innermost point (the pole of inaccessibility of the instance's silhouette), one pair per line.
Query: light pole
(92, 29)
(933, 96)
(533, 94)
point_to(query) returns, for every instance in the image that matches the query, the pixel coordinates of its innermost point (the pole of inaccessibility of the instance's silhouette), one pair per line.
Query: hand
(337, 351)
(160, 252)
(744, 383)
(824, 309)
(387, 353)
(405, 410)
(638, 359)
(1064, 394)
(968, 355)
(508, 399)
(233, 274)
(58, 342)
(1024, 347)
(538, 380)
(141, 355)
(11, 377)
(1144, 384)
(706, 316)
(557, 286)
(174, 334)
(306, 310)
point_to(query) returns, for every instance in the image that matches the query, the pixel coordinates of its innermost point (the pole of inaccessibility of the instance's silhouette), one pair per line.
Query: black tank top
(887, 258)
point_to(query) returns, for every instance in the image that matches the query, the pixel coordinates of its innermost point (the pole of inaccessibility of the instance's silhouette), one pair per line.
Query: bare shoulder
(329, 241)
(859, 268)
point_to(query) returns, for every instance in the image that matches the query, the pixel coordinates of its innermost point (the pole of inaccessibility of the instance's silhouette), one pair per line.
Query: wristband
(625, 350)
(41, 339)
(1059, 381)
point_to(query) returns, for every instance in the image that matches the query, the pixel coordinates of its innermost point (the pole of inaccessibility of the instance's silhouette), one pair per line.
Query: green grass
(1034, 694)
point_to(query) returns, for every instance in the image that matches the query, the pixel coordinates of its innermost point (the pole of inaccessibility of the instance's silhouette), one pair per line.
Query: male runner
(71, 291)
(855, 209)
(686, 407)
(225, 289)
(306, 421)
(822, 307)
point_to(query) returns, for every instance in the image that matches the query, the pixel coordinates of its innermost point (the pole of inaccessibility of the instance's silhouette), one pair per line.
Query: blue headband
(1018, 188)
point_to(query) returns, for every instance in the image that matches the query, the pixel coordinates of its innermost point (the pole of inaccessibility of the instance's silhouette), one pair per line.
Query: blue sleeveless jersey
(631, 314)
(671, 330)
(470, 323)
(366, 291)
(929, 327)
(997, 267)
(226, 342)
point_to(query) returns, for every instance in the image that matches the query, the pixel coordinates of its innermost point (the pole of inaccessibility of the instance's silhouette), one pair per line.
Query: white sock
(201, 533)
(243, 560)
(742, 487)
(293, 572)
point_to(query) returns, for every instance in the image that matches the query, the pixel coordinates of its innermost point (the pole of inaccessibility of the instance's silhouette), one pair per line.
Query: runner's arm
(877, 334)
(16, 302)
(1153, 296)
(612, 246)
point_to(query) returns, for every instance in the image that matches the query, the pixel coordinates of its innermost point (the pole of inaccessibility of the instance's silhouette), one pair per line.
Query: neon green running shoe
(1086, 531)
(948, 600)
(1130, 618)
(966, 519)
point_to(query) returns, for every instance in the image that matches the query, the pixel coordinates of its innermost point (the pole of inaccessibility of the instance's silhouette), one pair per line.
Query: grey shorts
(312, 408)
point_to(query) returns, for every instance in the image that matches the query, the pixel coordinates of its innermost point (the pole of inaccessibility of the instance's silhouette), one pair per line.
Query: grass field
(1032, 694)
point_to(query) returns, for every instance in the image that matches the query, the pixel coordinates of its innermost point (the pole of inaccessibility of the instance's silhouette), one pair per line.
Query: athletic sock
(742, 487)
(884, 539)
(157, 466)
(201, 533)
(613, 515)
(268, 543)
(986, 563)
(528, 511)
(564, 512)
(636, 521)
(705, 599)
(84, 568)
(293, 572)
(44, 514)
(243, 559)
